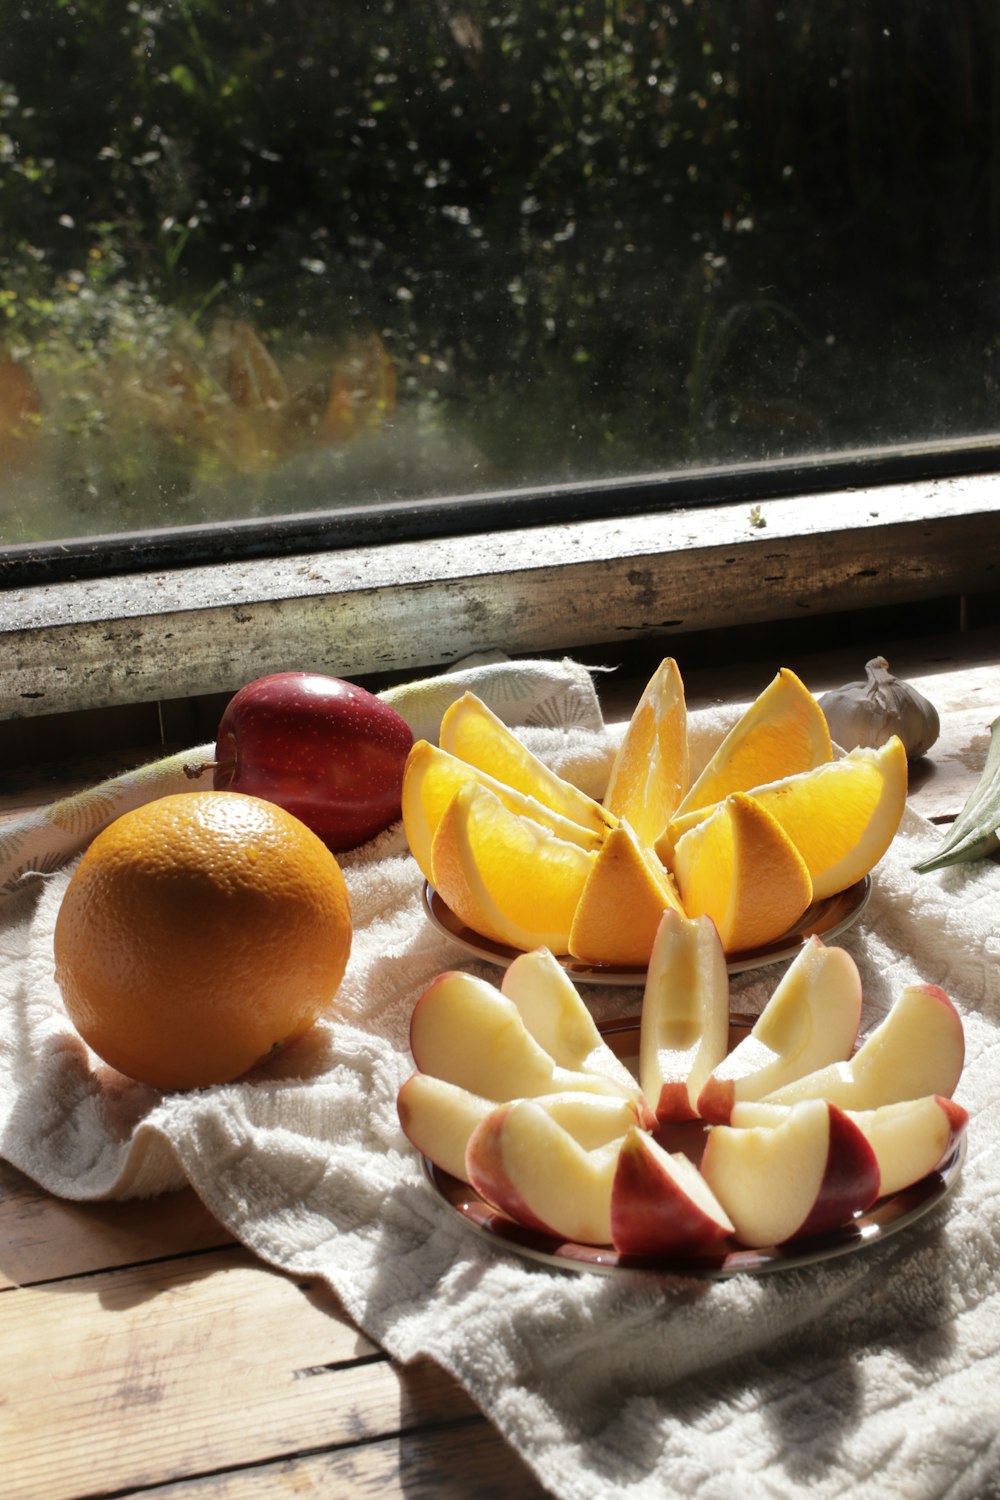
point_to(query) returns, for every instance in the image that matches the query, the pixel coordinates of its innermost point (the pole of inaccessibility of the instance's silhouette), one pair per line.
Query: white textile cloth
(873, 1375)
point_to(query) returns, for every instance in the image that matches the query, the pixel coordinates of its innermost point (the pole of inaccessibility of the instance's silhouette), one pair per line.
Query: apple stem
(193, 769)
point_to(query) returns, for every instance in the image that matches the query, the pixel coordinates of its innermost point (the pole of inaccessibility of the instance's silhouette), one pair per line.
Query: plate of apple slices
(826, 919)
(686, 1139)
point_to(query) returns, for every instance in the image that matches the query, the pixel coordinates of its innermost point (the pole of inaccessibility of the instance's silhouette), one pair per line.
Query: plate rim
(886, 1217)
(853, 899)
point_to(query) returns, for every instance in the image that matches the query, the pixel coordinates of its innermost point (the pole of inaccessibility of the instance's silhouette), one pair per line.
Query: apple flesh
(465, 1031)
(661, 1204)
(684, 1029)
(438, 1118)
(552, 1011)
(526, 1165)
(910, 1138)
(918, 1049)
(327, 751)
(810, 1020)
(810, 1174)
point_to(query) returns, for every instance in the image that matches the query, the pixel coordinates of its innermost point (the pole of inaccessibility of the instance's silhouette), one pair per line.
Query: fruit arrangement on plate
(795, 1131)
(774, 823)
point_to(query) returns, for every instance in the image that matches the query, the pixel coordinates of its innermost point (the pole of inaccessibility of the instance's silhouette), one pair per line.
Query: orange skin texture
(200, 934)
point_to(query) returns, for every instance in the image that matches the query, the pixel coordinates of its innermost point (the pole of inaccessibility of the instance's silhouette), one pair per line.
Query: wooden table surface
(143, 1352)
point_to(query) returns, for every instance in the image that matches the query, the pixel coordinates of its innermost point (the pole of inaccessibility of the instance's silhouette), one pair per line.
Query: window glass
(277, 257)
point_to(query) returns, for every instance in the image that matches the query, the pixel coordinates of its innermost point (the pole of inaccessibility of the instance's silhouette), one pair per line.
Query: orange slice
(432, 777)
(649, 774)
(473, 733)
(841, 816)
(739, 867)
(783, 732)
(506, 876)
(622, 902)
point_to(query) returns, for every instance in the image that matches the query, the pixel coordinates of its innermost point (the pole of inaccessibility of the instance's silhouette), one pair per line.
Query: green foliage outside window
(281, 255)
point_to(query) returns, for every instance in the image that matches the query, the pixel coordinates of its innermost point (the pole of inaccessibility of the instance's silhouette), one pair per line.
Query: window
(278, 278)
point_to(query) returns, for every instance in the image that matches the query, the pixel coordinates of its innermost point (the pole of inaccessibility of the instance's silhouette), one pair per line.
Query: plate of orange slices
(774, 838)
(825, 919)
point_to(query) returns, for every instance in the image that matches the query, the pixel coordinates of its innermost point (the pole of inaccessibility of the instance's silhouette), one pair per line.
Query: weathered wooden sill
(415, 605)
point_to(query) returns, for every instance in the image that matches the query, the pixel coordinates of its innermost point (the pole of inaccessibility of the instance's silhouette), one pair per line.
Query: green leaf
(973, 835)
(184, 79)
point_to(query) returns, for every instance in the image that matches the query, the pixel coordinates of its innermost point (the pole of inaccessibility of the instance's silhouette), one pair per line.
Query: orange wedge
(473, 733)
(783, 732)
(622, 902)
(649, 774)
(841, 816)
(739, 867)
(504, 875)
(432, 777)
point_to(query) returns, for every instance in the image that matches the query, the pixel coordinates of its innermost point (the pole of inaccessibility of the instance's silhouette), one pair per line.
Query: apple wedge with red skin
(526, 1165)
(552, 1011)
(806, 1176)
(325, 750)
(465, 1031)
(910, 1138)
(684, 1029)
(661, 1205)
(918, 1049)
(810, 1020)
(438, 1118)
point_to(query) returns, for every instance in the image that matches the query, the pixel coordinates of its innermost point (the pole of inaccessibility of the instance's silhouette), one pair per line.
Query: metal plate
(824, 918)
(886, 1217)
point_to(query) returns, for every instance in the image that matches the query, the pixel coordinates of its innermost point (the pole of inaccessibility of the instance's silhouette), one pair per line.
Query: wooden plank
(455, 1462)
(959, 672)
(44, 1238)
(370, 610)
(162, 1372)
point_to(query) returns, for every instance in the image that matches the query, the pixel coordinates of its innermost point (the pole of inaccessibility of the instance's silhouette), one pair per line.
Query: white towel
(873, 1375)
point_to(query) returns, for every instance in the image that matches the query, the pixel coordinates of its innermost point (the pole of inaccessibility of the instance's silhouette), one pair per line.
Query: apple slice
(918, 1049)
(464, 1031)
(438, 1118)
(810, 1020)
(810, 1174)
(526, 1165)
(910, 1138)
(661, 1204)
(685, 1015)
(553, 1012)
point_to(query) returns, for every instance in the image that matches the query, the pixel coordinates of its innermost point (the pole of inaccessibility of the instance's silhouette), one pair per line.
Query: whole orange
(199, 934)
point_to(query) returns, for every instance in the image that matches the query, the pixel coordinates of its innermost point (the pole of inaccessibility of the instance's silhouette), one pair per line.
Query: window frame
(381, 522)
(561, 585)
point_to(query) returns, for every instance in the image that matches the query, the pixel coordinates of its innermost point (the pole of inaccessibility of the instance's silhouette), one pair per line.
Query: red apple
(910, 1138)
(439, 1117)
(684, 1029)
(464, 1031)
(918, 1049)
(809, 1174)
(525, 1164)
(327, 751)
(810, 1020)
(660, 1203)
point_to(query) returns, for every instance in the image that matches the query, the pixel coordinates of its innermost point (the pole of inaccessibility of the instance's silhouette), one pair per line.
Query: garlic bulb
(870, 712)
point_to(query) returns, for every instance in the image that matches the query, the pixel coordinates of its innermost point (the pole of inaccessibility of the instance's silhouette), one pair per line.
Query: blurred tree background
(268, 255)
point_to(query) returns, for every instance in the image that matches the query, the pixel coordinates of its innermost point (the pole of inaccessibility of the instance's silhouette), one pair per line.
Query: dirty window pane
(275, 257)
